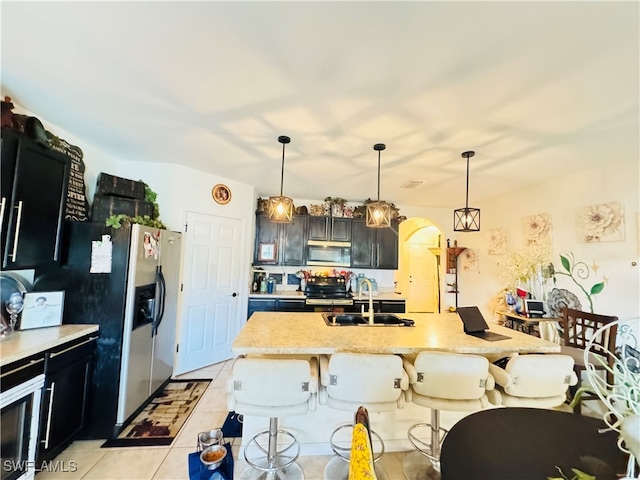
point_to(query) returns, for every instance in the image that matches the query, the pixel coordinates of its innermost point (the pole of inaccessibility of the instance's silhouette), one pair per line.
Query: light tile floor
(87, 461)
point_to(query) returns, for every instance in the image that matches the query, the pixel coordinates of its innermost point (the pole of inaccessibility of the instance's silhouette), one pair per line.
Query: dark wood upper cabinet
(290, 240)
(362, 244)
(374, 247)
(294, 241)
(370, 247)
(34, 186)
(334, 229)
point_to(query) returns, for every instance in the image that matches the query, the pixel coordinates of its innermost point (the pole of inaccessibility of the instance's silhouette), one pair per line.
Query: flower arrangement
(529, 268)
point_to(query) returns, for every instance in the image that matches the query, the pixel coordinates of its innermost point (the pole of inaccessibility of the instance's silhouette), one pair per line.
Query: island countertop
(22, 344)
(306, 333)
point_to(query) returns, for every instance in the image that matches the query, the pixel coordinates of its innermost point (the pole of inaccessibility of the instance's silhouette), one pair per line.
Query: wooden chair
(579, 329)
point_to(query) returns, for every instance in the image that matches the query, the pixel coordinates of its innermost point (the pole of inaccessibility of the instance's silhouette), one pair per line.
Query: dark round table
(529, 443)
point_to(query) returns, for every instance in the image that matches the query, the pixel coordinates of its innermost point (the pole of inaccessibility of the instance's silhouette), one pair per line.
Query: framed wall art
(42, 309)
(267, 252)
(600, 223)
(221, 194)
(538, 229)
(497, 241)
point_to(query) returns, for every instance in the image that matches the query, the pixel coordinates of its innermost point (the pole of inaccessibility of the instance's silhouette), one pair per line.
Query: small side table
(523, 324)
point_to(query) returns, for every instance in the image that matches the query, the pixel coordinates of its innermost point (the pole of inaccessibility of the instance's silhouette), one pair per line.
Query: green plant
(577, 475)
(116, 221)
(151, 197)
(335, 201)
(578, 270)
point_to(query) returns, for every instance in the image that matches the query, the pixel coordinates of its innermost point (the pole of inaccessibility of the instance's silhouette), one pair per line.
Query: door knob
(234, 294)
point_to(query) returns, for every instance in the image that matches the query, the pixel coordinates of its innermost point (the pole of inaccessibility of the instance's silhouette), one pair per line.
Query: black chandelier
(467, 219)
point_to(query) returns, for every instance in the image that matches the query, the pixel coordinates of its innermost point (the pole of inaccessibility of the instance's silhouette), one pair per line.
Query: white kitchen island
(281, 333)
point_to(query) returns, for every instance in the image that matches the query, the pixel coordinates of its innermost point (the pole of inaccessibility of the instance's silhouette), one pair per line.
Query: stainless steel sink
(357, 320)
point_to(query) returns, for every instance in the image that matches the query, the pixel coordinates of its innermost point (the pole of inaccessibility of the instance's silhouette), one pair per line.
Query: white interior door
(423, 285)
(210, 315)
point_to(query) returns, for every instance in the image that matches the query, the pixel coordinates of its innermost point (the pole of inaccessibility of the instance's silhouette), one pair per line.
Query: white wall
(179, 189)
(617, 262)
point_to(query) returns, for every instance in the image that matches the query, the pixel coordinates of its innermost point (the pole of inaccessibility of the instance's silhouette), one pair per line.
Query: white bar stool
(442, 381)
(273, 387)
(351, 380)
(535, 380)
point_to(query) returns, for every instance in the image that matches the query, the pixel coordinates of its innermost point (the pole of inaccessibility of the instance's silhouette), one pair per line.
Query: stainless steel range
(327, 292)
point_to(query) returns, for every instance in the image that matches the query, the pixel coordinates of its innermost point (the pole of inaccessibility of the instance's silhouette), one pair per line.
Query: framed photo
(267, 252)
(42, 309)
(221, 194)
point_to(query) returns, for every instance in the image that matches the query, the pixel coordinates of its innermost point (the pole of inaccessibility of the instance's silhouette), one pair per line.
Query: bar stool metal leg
(414, 464)
(276, 460)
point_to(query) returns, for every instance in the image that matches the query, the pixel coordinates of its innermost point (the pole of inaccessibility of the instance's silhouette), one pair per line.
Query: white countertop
(307, 333)
(22, 344)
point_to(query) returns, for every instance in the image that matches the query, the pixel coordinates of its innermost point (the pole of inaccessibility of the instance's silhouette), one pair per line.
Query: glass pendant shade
(378, 214)
(280, 208)
(466, 219)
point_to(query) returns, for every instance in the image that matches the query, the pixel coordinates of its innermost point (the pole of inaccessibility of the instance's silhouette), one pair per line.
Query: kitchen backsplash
(287, 280)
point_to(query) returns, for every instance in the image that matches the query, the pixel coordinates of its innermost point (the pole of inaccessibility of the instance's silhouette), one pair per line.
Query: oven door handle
(49, 415)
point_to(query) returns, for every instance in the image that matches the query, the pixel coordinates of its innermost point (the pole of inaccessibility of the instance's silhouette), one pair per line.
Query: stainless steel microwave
(332, 254)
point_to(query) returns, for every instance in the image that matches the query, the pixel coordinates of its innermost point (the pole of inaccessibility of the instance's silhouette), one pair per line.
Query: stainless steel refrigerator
(132, 293)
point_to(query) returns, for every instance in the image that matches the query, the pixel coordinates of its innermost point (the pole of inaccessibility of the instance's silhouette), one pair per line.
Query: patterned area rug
(162, 418)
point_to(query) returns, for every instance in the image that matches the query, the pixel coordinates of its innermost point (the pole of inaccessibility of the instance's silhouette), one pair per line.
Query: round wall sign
(221, 194)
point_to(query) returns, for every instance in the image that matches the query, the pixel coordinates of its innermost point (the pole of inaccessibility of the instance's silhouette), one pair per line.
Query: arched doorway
(419, 275)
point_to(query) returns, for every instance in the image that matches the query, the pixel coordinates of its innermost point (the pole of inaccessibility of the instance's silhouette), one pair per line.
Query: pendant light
(467, 219)
(281, 208)
(378, 213)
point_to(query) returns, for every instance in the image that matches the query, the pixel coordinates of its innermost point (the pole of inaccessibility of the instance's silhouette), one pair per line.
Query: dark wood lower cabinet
(380, 306)
(290, 305)
(392, 306)
(275, 305)
(261, 305)
(64, 401)
(298, 305)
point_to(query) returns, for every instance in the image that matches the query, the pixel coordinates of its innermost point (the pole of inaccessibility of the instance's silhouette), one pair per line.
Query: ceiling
(537, 89)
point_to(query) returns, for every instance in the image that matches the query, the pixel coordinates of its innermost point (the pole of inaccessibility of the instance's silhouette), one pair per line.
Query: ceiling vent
(412, 184)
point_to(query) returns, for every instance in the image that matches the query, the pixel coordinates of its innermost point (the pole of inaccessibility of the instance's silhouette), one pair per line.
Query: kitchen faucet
(370, 312)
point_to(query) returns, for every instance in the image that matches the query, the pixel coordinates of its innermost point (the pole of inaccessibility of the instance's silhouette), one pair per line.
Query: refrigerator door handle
(162, 285)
